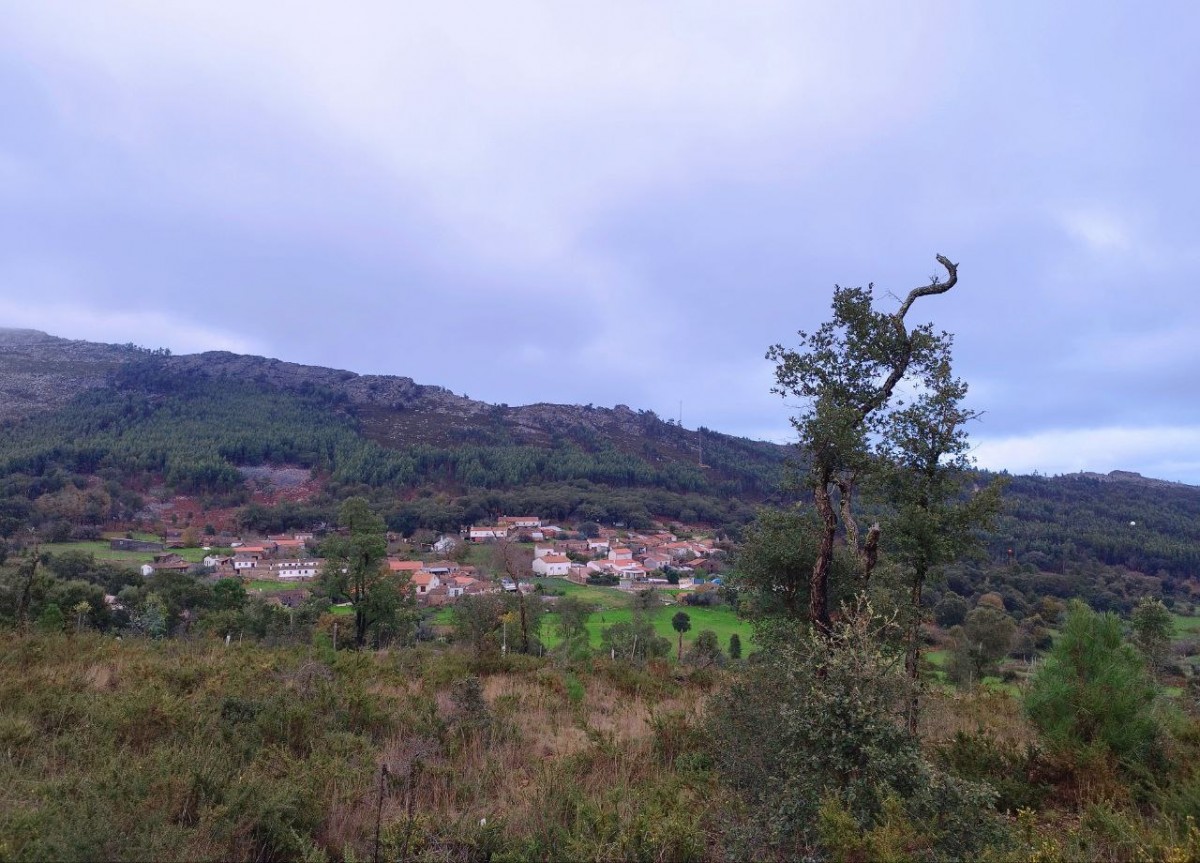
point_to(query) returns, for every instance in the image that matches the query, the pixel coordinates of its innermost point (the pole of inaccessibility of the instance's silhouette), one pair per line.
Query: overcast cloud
(625, 202)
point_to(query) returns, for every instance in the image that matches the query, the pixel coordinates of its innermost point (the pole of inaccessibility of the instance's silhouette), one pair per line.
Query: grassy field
(100, 550)
(612, 606)
(193, 750)
(274, 586)
(1186, 626)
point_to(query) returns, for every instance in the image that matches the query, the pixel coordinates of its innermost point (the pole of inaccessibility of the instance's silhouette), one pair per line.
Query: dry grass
(945, 713)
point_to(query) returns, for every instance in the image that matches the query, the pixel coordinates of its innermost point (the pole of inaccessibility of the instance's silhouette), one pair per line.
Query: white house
(483, 534)
(598, 544)
(521, 521)
(296, 569)
(425, 582)
(552, 564)
(242, 562)
(542, 551)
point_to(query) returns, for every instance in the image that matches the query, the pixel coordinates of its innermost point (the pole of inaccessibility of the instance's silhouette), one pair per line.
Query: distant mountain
(40, 372)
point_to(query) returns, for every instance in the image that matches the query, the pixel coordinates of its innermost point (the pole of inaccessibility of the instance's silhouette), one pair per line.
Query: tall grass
(191, 750)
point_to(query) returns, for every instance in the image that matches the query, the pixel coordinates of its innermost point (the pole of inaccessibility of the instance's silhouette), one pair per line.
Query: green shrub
(819, 719)
(1015, 775)
(1091, 697)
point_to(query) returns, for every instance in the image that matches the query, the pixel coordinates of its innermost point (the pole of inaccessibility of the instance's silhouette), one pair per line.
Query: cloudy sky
(626, 202)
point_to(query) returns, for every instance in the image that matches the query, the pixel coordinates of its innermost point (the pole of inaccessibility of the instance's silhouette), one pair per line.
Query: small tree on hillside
(927, 473)
(735, 646)
(1091, 697)
(681, 623)
(1152, 630)
(354, 567)
(983, 640)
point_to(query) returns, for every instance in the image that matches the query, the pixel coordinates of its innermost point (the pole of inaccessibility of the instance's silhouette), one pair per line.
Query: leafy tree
(646, 600)
(1091, 697)
(229, 594)
(846, 371)
(152, 620)
(735, 646)
(774, 567)
(984, 639)
(1152, 630)
(681, 623)
(354, 566)
(81, 611)
(634, 639)
(951, 610)
(706, 650)
(477, 621)
(926, 475)
(573, 616)
(51, 619)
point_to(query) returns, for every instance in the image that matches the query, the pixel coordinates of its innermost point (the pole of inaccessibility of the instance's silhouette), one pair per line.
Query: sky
(626, 202)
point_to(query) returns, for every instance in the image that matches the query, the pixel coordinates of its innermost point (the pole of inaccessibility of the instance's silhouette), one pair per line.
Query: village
(281, 567)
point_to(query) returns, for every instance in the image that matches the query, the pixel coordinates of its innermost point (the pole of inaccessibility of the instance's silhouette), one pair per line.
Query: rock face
(383, 390)
(41, 372)
(1130, 477)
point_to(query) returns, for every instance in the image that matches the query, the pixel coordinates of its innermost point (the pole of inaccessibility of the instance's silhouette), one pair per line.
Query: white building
(552, 564)
(296, 569)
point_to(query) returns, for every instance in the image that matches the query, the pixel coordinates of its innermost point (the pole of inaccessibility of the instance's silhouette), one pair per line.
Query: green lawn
(100, 550)
(1186, 626)
(274, 586)
(612, 606)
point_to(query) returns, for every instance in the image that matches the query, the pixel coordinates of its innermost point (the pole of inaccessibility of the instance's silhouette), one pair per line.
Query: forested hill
(120, 423)
(143, 419)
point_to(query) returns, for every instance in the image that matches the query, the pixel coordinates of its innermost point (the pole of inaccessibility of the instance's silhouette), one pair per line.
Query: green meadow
(100, 550)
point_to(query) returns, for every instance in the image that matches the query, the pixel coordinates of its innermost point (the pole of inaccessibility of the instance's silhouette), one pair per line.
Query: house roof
(554, 558)
(405, 565)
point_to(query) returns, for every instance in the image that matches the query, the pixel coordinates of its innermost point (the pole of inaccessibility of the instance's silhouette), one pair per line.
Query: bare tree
(515, 561)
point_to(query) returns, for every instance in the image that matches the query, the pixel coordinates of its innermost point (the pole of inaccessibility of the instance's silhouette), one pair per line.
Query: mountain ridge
(40, 371)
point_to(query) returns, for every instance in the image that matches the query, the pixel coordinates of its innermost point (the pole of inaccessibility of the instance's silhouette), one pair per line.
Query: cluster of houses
(442, 581)
(636, 560)
(631, 561)
(524, 527)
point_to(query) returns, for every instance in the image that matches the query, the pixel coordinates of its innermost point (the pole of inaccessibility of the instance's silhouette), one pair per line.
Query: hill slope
(88, 424)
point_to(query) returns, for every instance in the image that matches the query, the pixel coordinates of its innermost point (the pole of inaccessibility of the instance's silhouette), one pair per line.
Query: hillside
(147, 420)
(96, 432)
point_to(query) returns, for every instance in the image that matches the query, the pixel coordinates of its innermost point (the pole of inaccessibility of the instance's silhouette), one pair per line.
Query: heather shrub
(816, 725)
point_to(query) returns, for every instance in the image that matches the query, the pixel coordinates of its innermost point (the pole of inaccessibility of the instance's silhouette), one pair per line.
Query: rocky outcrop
(41, 372)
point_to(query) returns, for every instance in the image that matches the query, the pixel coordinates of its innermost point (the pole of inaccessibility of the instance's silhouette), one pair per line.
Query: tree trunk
(818, 591)
(524, 620)
(912, 654)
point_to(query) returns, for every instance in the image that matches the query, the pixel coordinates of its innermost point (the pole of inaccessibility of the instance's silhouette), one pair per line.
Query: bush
(1015, 775)
(1091, 698)
(815, 726)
